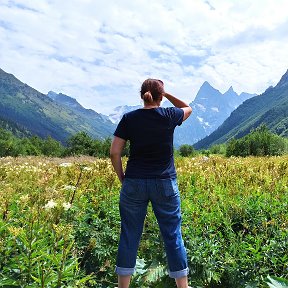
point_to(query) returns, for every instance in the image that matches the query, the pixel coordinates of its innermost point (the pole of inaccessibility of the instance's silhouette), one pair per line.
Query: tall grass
(59, 223)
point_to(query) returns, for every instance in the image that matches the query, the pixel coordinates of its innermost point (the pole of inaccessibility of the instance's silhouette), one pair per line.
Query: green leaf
(140, 266)
(155, 272)
(8, 282)
(276, 282)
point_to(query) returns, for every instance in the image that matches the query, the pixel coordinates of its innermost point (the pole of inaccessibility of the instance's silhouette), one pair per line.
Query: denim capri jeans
(134, 198)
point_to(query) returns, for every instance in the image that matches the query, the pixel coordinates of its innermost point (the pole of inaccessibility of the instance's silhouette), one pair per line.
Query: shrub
(186, 150)
(259, 142)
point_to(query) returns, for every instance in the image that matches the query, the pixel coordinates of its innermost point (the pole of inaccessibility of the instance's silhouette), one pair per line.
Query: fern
(154, 273)
(276, 282)
(148, 273)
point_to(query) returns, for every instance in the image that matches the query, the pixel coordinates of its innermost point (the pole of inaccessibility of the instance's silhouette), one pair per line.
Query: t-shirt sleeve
(122, 129)
(176, 115)
(179, 115)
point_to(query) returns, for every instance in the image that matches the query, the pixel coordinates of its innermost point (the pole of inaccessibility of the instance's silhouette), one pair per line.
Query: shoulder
(131, 114)
(170, 112)
(173, 114)
(130, 117)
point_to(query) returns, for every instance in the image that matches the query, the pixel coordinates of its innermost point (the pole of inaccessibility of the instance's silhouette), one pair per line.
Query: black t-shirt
(150, 132)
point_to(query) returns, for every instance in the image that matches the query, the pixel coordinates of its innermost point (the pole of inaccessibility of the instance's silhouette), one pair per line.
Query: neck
(151, 105)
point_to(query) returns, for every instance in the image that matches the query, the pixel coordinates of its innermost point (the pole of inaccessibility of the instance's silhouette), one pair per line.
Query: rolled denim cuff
(179, 274)
(124, 271)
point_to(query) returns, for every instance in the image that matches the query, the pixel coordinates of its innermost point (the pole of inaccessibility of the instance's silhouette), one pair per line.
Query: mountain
(270, 108)
(14, 128)
(40, 115)
(210, 109)
(119, 111)
(92, 116)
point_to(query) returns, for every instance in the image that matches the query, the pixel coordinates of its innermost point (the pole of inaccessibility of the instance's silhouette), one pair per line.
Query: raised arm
(116, 149)
(180, 104)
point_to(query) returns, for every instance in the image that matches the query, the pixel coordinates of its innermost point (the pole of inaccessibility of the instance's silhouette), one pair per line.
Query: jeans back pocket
(168, 187)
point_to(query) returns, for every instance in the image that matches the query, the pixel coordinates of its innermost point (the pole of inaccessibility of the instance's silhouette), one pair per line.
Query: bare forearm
(116, 149)
(117, 165)
(175, 101)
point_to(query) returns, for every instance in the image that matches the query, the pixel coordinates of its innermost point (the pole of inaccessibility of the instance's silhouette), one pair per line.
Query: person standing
(150, 176)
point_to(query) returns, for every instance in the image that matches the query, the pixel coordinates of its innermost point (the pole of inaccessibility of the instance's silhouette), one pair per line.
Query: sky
(99, 52)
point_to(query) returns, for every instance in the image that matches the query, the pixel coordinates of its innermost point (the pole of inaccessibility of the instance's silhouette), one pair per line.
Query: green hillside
(35, 112)
(14, 128)
(270, 108)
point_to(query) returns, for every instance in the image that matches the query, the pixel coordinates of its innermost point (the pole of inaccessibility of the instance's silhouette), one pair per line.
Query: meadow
(59, 223)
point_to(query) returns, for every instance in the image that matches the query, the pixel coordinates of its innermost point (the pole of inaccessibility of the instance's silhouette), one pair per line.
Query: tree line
(79, 144)
(259, 142)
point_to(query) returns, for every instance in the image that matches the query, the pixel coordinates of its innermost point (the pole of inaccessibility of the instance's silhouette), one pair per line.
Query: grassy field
(59, 223)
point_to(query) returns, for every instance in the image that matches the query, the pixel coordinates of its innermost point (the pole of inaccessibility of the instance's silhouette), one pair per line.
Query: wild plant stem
(76, 186)
(30, 252)
(60, 271)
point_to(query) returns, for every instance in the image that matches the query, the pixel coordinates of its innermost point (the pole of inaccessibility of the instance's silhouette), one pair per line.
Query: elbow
(116, 148)
(187, 112)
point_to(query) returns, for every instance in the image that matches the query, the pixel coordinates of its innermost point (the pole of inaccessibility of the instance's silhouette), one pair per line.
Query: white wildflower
(69, 187)
(87, 168)
(67, 164)
(50, 204)
(66, 206)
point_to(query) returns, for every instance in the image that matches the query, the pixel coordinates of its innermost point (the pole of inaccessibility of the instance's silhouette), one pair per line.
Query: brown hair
(152, 90)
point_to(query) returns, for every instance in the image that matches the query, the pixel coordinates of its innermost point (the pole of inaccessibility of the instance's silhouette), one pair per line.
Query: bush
(186, 150)
(218, 149)
(80, 144)
(259, 142)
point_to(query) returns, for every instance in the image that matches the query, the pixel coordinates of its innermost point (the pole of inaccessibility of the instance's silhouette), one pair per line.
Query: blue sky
(99, 52)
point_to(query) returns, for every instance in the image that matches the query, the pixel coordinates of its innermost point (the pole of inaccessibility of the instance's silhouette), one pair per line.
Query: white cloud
(100, 53)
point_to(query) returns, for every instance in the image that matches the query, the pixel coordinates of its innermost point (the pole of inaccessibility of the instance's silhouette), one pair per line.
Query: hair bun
(147, 97)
